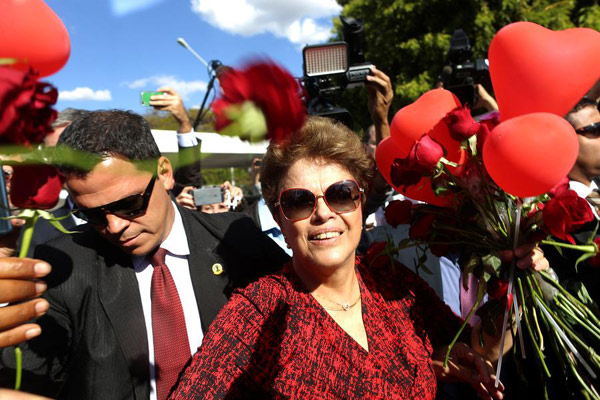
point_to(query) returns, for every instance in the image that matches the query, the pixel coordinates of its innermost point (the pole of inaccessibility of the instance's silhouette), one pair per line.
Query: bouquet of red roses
(477, 218)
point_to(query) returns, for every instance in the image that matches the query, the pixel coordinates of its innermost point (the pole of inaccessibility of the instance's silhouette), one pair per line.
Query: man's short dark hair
(111, 133)
(67, 116)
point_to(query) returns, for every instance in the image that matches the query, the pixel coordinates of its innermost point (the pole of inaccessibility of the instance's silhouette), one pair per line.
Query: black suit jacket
(93, 343)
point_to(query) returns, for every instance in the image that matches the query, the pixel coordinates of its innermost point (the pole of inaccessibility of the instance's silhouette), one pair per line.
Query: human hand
(171, 101)
(381, 95)
(465, 365)
(19, 282)
(484, 99)
(255, 170)
(529, 255)
(186, 198)
(234, 191)
(8, 394)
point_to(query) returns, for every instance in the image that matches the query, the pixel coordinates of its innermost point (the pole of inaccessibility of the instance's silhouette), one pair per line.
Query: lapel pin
(217, 269)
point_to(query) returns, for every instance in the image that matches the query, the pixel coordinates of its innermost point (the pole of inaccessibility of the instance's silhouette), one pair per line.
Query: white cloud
(184, 88)
(296, 20)
(85, 93)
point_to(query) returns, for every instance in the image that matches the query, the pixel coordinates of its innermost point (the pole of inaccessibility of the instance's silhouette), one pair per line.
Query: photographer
(232, 197)
(188, 173)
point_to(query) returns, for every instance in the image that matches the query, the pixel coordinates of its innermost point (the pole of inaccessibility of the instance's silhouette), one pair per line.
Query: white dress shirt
(270, 226)
(176, 259)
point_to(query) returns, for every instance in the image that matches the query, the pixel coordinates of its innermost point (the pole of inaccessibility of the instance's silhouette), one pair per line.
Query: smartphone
(208, 195)
(145, 97)
(5, 225)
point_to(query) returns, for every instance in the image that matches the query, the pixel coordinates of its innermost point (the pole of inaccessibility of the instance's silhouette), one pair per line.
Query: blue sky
(121, 47)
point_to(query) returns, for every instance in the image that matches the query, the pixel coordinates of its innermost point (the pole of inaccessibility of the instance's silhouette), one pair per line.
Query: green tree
(409, 39)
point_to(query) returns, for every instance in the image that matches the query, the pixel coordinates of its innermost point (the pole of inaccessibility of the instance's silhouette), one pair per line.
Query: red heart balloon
(385, 154)
(34, 35)
(534, 69)
(425, 116)
(528, 155)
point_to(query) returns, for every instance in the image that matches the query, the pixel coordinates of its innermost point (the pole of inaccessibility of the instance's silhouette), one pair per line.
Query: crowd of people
(158, 296)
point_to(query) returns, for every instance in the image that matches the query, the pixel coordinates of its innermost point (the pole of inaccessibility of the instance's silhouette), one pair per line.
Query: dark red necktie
(171, 345)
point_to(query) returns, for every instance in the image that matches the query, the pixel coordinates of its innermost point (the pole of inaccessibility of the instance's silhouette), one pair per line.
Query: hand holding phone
(145, 97)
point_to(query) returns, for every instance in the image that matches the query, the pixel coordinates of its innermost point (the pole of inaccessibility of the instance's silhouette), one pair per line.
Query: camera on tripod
(333, 67)
(461, 73)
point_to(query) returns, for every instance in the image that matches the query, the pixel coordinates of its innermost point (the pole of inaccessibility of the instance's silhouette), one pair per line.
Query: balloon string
(510, 290)
(518, 317)
(564, 337)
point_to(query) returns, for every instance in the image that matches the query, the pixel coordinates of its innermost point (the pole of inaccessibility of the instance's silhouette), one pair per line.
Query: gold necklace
(345, 306)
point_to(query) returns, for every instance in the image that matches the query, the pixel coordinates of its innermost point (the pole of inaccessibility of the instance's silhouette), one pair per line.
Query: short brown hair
(319, 139)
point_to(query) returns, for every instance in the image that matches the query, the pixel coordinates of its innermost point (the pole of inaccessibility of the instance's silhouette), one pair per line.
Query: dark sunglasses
(592, 130)
(299, 204)
(128, 207)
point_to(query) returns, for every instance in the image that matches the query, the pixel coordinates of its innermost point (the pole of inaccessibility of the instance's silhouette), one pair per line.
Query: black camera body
(333, 67)
(462, 73)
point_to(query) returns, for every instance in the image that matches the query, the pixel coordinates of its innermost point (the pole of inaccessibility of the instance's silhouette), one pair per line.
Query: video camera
(333, 67)
(461, 74)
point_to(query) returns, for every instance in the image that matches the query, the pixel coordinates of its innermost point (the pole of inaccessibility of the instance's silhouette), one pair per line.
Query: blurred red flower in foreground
(26, 115)
(25, 103)
(35, 186)
(270, 88)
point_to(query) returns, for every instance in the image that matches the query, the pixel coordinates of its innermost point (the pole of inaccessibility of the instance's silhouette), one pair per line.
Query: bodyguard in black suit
(94, 338)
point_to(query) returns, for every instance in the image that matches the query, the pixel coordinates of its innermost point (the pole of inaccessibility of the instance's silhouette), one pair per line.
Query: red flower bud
(439, 249)
(565, 213)
(398, 212)
(461, 124)
(427, 153)
(559, 188)
(595, 261)
(421, 229)
(35, 186)
(497, 288)
(375, 255)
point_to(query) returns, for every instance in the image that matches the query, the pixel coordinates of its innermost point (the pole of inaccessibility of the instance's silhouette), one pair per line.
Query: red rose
(497, 288)
(421, 229)
(398, 212)
(269, 87)
(427, 152)
(439, 249)
(595, 261)
(461, 124)
(25, 103)
(406, 172)
(559, 188)
(565, 213)
(375, 254)
(35, 186)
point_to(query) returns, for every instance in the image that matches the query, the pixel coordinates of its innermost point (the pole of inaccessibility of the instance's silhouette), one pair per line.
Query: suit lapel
(120, 297)
(208, 286)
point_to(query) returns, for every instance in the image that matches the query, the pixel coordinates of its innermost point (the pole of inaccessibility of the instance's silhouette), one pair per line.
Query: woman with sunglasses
(329, 325)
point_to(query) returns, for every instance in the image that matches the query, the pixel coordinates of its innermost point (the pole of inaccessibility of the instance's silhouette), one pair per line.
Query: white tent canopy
(218, 151)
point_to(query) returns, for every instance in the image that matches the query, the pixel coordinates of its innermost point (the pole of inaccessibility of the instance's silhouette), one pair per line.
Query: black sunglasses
(592, 130)
(299, 204)
(128, 207)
